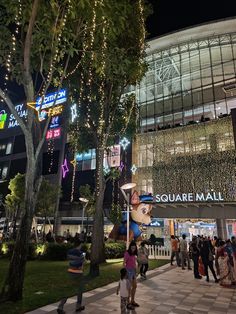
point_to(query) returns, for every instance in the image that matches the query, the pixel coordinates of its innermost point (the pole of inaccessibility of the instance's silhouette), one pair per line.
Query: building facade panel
(186, 141)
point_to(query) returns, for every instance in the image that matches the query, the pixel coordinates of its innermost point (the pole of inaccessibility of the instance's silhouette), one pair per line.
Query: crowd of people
(215, 254)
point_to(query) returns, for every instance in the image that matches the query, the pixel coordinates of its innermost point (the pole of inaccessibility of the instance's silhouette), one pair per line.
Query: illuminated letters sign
(3, 118)
(52, 99)
(53, 133)
(22, 112)
(189, 197)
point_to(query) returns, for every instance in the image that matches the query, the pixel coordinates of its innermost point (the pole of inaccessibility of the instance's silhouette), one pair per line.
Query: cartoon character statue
(140, 214)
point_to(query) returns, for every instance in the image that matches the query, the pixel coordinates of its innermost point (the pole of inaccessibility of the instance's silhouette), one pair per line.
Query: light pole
(123, 188)
(85, 202)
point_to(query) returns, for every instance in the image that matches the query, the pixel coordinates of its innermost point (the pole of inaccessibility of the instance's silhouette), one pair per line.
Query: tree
(46, 205)
(115, 62)
(14, 201)
(38, 41)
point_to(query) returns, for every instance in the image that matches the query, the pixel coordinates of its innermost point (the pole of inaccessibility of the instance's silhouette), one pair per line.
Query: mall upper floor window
(186, 84)
(3, 171)
(6, 147)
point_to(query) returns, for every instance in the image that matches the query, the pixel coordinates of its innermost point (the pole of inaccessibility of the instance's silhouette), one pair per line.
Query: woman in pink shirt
(131, 266)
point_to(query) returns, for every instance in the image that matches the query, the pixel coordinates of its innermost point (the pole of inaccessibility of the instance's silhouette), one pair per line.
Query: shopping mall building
(185, 149)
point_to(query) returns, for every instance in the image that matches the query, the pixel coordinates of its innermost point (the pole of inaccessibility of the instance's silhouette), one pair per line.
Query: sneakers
(59, 311)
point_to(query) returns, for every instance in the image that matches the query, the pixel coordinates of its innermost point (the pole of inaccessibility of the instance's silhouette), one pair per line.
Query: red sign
(53, 133)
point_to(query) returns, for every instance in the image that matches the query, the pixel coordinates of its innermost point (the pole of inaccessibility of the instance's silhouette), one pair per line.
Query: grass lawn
(52, 279)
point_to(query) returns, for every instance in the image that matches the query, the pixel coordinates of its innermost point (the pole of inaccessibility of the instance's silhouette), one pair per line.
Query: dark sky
(171, 15)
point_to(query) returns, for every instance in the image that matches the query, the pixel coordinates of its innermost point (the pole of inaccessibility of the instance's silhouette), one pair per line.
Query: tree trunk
(97, 248)
(13, 286)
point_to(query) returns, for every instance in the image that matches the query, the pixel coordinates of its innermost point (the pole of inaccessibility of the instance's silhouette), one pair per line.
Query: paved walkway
(167, 290)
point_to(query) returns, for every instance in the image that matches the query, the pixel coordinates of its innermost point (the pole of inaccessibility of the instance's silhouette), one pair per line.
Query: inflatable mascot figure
(140, 214)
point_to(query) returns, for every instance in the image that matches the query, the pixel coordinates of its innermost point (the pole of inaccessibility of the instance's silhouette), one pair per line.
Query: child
(124, 288)
(143, 260)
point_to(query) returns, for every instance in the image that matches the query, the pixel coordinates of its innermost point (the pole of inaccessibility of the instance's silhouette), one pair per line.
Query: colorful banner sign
(3, 119)
(52, 99)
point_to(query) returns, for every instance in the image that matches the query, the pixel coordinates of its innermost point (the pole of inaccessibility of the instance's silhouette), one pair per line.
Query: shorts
(131, 273)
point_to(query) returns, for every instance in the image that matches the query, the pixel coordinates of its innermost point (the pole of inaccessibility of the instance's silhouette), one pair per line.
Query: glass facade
(185, 141)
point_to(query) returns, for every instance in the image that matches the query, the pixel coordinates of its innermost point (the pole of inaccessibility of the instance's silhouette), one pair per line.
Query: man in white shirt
(183, 246)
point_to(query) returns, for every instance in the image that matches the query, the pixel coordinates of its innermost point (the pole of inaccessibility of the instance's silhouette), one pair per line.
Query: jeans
(173, 254)
(80, 281)
(143, 269)
(184, 256)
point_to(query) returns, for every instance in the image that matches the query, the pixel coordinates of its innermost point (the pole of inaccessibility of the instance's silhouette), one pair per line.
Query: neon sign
(22, 113)
(124, 143)
(53, 133)
(73, 112)
(52, 99)
(64, 168)
(3, 118)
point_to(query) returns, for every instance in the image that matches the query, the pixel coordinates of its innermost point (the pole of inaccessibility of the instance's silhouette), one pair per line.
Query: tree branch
(28, 39)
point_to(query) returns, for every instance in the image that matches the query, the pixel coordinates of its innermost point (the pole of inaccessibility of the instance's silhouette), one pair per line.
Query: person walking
(124, 289)
(195, 253)
(130, 264)
(76, 259)
(174, 250)
(206, 252)
(143, 260)
(183, 246)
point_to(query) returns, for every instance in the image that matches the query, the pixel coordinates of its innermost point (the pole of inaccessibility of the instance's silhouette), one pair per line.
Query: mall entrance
(207, 219)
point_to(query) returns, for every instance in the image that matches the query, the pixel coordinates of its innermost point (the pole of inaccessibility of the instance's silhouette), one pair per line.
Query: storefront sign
(189, 197)
(52, 99)
(53, 133)
(22, 112)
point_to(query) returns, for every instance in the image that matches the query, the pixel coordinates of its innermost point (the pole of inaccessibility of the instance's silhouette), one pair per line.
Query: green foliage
(56, 252)
(46, 201)
(7, 248)
(47, 197)
(115, 250)
(15, 199)
(116, 61)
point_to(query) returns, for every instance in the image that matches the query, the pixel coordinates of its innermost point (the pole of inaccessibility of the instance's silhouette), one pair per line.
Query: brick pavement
(167, 290)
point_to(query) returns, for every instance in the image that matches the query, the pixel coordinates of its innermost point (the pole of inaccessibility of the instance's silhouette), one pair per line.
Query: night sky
(172, 15)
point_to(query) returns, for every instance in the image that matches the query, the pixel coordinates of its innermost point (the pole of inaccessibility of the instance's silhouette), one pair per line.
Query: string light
(74, 163)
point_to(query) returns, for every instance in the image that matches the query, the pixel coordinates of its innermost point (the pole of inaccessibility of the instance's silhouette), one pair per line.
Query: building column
(221, 228)
(171, 227)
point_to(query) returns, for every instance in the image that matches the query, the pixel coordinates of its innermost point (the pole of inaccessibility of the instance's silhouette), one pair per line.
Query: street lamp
(85, 201)
(123, 188)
